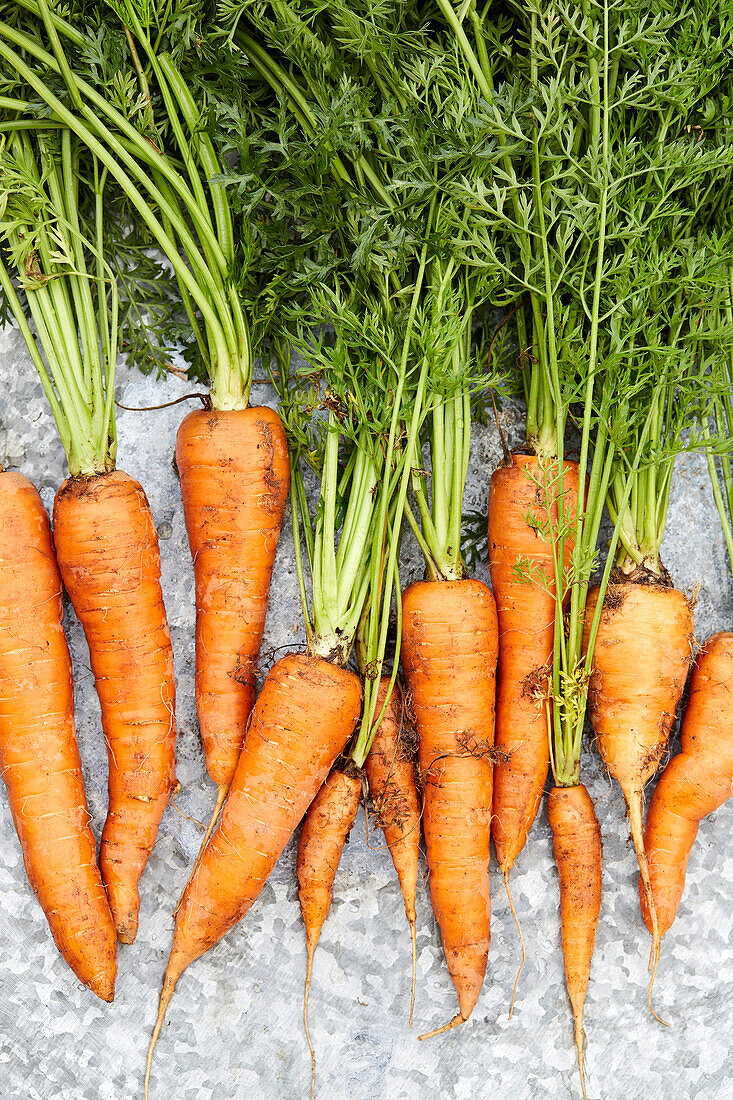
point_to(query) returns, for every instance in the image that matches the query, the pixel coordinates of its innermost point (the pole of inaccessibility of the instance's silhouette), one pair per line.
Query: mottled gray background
(234, 1028)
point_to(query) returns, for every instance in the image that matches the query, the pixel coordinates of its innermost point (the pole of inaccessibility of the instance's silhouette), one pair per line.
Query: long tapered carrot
(306, 712)
(39, 757)
(640, 663)
(525, 606)
(325, 831)
(235, 477)
(392, 779)
(576, 839)
(107, 549)
(693, 784)
(449, 651)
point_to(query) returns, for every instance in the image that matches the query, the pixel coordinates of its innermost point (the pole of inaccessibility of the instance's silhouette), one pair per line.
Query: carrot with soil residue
(39, 757)
(695, 782)
(449, 653)
(390, 772)
(641, 659)
(325, 831)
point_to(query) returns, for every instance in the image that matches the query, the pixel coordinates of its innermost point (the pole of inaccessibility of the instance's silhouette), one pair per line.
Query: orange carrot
(39, 757)
(576, 840)
(306, 712)
(526, 612)
(449, 651)
(235, 477)
(519, 518)
(107, 549)
(390, 772)
(640, 663)
(694, 783)
(325, 831)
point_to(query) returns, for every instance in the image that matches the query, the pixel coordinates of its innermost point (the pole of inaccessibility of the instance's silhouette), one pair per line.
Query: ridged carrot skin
(695, 782)
(306, 712)
(107, 549)
(641, 659)
(526, 613)
(576, 840)
(325, 829)
(392, 779)
(235, 478)
(39, 757)
(449, 650)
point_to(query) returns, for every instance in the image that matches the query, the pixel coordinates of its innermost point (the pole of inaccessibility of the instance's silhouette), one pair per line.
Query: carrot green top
(163, 162)
(64, 286)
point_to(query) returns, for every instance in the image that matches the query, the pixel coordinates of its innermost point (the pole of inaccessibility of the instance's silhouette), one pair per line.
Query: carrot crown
(62, 284)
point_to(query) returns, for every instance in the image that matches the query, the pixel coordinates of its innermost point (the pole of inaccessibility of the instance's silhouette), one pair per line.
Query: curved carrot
(525, 607)
(576, 840)
(107, 549)
(39, 757)
(640, 664)
(235, 477)
(449, 649)
(390, 772)
(694, 783)
(306, 712)
(325, 830)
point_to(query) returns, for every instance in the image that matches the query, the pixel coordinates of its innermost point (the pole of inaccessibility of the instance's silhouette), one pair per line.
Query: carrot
(522, 531)
(576, 840)
(39, 757)
(640, 664)
(449, 653)
(306, 712)
(325, 831)
(390, 773)
(107, 549)
(693, 784)
(235, 478)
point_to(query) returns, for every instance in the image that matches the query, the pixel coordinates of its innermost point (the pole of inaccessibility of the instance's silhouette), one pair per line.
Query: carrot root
(521, 940)
(311, 950)
(455, 1022)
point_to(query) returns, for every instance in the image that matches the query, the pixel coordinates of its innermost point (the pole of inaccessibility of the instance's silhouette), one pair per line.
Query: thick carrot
(39, 757)
(107, 549)
(325, 830)
(640, 663)
(694, 783)
(235, 477)
(306, 712)
(525, 607)
(390, 772)
(576, 840)
(449, 651)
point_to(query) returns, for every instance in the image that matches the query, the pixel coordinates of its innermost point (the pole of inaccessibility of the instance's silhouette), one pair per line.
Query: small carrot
(39, 757)
(306, 712)
(390, 772)
(107, 549)
(576, 840)
(235, 478)
(449, 653)
(695, 782)
(640, 663)
(325, 831)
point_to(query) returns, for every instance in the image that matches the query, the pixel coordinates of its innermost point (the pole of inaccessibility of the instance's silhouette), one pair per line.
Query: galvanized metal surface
(234, 1028)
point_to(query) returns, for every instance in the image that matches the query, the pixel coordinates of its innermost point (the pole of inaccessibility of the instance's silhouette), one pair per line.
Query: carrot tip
(413, 939)
(521, 940)
(165, 1000)
(309, 971)
(455, 1022)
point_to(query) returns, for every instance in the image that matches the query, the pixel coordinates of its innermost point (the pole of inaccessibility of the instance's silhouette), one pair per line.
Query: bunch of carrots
(402, 217)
